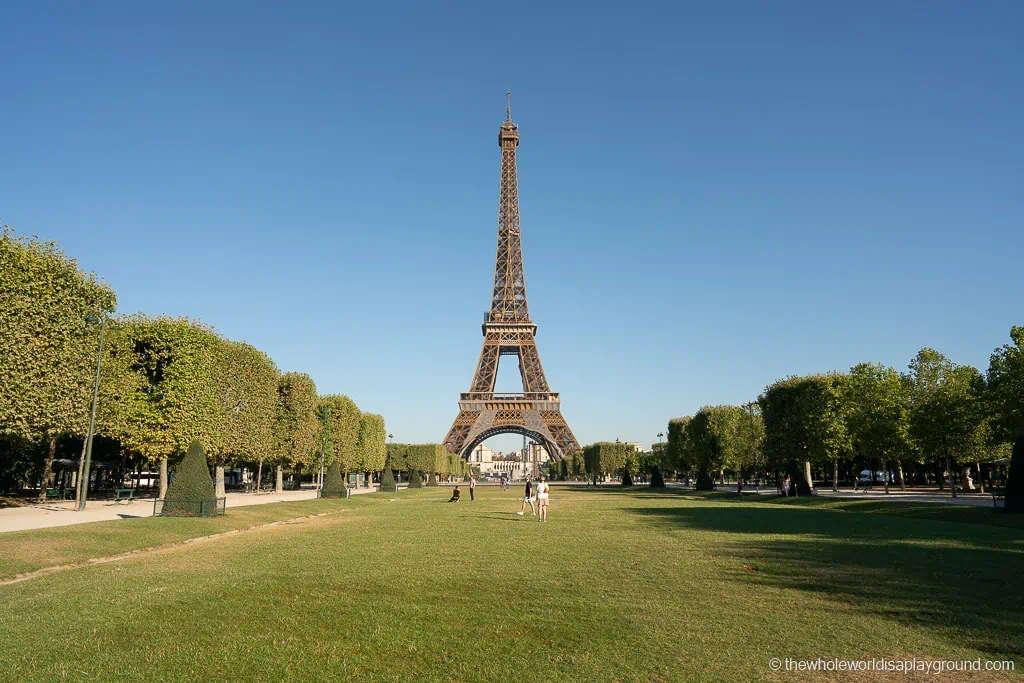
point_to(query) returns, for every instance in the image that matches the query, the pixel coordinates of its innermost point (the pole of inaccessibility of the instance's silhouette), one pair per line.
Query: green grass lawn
(618, 585)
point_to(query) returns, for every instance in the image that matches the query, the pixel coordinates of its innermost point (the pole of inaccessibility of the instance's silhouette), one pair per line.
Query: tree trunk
(885, 474)
(163, 476)
(279, 483)
(981, 480)
(807, 475)
(48, 468)
(259, 476)
(218, 469)
(81, 465)
(942, 477)
(952, 481)
(899, 473)
(835, 476)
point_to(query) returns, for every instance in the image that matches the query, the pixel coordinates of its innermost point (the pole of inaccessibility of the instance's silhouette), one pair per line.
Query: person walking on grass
(472, 488)
(542, 500)
(528, 498)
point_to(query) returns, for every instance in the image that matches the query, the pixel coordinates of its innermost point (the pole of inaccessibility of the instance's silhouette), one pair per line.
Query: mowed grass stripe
(617, 586)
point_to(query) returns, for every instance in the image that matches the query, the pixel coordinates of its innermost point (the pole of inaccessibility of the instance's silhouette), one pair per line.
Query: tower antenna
(508, 105)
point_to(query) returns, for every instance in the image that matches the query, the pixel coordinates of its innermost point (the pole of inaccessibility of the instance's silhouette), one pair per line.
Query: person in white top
(542, 500)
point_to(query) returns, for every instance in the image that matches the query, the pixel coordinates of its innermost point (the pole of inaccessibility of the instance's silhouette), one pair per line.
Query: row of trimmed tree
(165, 382)
(426, 461)
(938, 419)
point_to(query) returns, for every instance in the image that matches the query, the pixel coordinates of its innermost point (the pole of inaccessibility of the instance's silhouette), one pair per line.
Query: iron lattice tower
(508, 331)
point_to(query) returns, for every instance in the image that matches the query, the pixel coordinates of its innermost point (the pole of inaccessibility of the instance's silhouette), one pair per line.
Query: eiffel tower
(508, 331)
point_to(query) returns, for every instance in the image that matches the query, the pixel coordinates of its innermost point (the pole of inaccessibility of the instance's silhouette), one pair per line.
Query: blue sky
(713, 195)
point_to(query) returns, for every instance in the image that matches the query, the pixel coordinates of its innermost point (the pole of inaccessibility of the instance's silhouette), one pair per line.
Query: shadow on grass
(962, 580)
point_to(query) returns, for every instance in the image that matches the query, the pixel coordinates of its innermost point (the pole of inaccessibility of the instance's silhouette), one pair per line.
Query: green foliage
(676, 445)
(334, 484)
(1006, 386)
(47, 345)
(946, 411)
(415, 479)
(605, 458)
(246, 386)
(657, 479)
(159, 392)
(372, 444)
(399, 454)
(387, 478)
(716, 438)
(191, 484)
(345, 421)
(427, 457)
(879, 416)
(296, 426)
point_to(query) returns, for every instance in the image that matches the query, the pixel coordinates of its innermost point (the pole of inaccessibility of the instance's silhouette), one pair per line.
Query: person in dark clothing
(527, 498)
(455, 496)
(472, 488)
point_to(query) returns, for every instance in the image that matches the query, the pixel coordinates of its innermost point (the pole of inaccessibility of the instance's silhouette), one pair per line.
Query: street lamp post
(83, 491)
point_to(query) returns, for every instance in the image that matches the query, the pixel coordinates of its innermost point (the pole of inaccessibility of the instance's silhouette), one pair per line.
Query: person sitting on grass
(455, 496)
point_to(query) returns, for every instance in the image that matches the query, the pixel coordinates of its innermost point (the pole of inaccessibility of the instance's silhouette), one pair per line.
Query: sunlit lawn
(618, 585)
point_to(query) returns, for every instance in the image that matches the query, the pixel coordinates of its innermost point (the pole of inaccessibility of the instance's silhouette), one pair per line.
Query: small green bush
(657, 479)
(387, 478)
(334, 485)
(627, 479)
(191, 484)
(415, 479)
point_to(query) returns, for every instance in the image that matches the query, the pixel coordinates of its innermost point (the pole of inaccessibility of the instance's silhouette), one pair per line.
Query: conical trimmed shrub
(192, 485)
(415, 479)
(627, 478)
(334, 485)
(387, 478)
(432, 480)
(657, 479)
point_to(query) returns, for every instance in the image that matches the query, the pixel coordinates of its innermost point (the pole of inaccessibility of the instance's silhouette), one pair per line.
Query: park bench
(123, 494)
(58, 494)
(998, 493)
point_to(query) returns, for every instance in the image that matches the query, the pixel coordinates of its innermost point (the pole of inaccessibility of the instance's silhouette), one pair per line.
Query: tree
(675, 447)
(246, 386)
(399, 452)
(372, 443)
(160, 392)
(825, 410)
(192, 490)
(387, 477)
(945, 410)
(344, 420)
(415, 480)
(296, 426)
(47, 344)
(879, 415)
(1005, 394)
(605, 458)
(805, 421)
(714, 440)
(334, 485)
